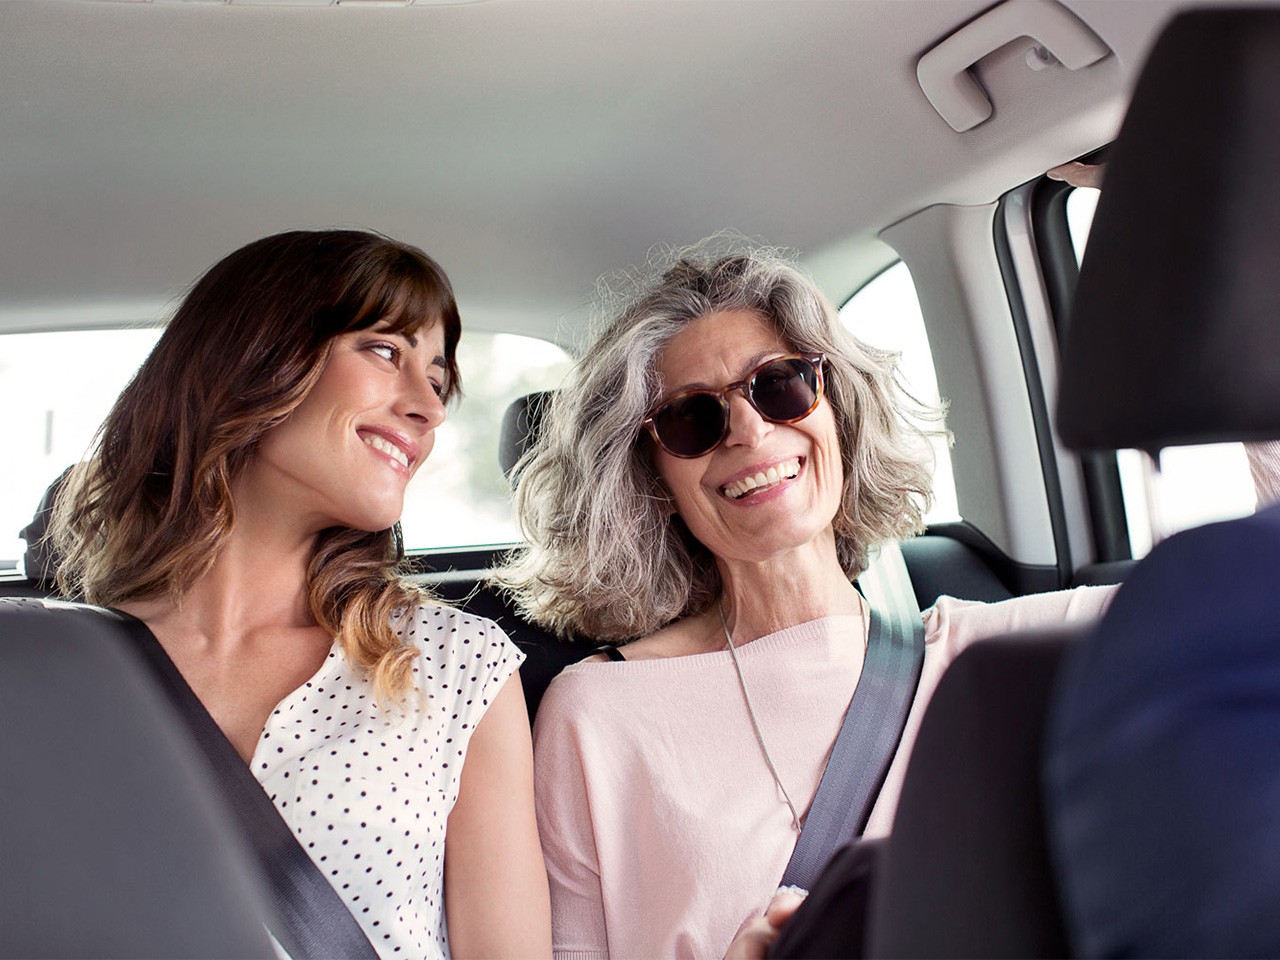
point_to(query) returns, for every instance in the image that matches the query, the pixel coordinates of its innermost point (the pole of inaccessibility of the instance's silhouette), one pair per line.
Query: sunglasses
(782, 390)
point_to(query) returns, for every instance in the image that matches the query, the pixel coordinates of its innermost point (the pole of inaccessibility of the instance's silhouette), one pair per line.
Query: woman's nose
(746, 426)
(420, 402)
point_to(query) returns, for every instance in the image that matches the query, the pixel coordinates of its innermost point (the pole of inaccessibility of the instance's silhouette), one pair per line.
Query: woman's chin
(371, 521)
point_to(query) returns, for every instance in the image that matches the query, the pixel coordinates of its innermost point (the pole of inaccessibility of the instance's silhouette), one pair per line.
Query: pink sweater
(662, 828)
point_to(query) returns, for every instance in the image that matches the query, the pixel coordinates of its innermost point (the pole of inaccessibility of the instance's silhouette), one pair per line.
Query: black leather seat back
(965, 872)
(1161, 772)
(520, 425)
(111, 843)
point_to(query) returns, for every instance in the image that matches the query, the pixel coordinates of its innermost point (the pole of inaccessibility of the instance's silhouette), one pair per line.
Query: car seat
(967, 870)
(1162, 777)
(111, 841)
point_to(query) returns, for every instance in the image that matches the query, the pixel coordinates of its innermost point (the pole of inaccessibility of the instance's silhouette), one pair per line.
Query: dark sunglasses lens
(785, 389)
(690, 425)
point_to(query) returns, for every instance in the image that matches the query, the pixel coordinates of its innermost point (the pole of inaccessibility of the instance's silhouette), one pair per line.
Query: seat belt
(314, 923)
(873, 724)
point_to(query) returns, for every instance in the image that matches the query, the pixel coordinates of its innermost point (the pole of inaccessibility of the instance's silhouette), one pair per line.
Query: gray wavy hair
(606, 558)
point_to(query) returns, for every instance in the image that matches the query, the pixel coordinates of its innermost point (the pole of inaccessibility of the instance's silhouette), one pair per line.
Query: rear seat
(955, 562)
(944, 565)
(545, 654)
(938, 564)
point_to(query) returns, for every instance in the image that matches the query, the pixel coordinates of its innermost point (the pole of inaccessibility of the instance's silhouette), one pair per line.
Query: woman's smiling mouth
(383, 445)
(762, 480)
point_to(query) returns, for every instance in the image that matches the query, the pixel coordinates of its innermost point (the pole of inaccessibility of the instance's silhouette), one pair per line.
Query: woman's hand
(1079, 174)
(756, 936)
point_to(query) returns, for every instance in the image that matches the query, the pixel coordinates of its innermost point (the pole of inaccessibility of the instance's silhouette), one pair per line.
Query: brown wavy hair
(147, 513)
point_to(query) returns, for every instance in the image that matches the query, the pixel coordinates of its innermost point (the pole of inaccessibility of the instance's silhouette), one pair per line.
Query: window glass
(1081, 204)
(886, 314)
(56, 388)
(460, 497)
(1196, 484)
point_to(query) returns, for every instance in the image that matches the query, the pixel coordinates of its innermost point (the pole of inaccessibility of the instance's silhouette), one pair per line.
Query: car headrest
(1174, 337)
(520, 426)
(40, 561)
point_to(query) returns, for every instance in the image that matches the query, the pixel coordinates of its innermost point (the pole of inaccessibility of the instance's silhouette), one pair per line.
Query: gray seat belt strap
(873, 724)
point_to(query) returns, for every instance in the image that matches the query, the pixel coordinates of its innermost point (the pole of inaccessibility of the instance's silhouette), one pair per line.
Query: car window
(56, 388)
(886, 313)
(460, 497)
(1196, 484)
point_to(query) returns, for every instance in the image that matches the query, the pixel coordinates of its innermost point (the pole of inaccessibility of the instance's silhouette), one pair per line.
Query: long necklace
(755, 725)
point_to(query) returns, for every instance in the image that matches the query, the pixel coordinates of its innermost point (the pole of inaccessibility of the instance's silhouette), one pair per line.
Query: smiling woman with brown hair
(242, 502)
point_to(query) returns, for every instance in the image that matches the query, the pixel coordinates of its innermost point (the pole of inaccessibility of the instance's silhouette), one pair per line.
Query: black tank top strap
(611, 651)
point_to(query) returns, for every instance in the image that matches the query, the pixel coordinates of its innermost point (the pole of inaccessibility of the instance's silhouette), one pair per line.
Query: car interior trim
(997, 468)
(1060, 271)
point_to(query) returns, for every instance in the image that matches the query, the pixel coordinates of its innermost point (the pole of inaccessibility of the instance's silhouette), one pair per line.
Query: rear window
(886, 313)
(460, 497)
(56, 388)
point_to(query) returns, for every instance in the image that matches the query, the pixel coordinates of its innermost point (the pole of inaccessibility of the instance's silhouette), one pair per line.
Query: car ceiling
(529, 146)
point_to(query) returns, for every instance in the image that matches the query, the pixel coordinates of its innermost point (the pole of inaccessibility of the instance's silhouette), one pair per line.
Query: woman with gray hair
(703, 493)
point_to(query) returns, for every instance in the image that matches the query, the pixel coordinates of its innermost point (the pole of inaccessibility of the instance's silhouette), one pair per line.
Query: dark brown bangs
(410, 293)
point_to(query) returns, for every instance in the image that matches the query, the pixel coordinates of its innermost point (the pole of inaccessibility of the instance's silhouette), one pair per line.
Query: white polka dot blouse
(368, 789)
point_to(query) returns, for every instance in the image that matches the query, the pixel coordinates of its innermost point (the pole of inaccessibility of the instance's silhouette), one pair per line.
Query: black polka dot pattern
(368, 789)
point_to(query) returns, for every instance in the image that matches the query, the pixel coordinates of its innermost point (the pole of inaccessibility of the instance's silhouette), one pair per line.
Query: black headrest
(40, 562)
(1175, 333)
(520, 426)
